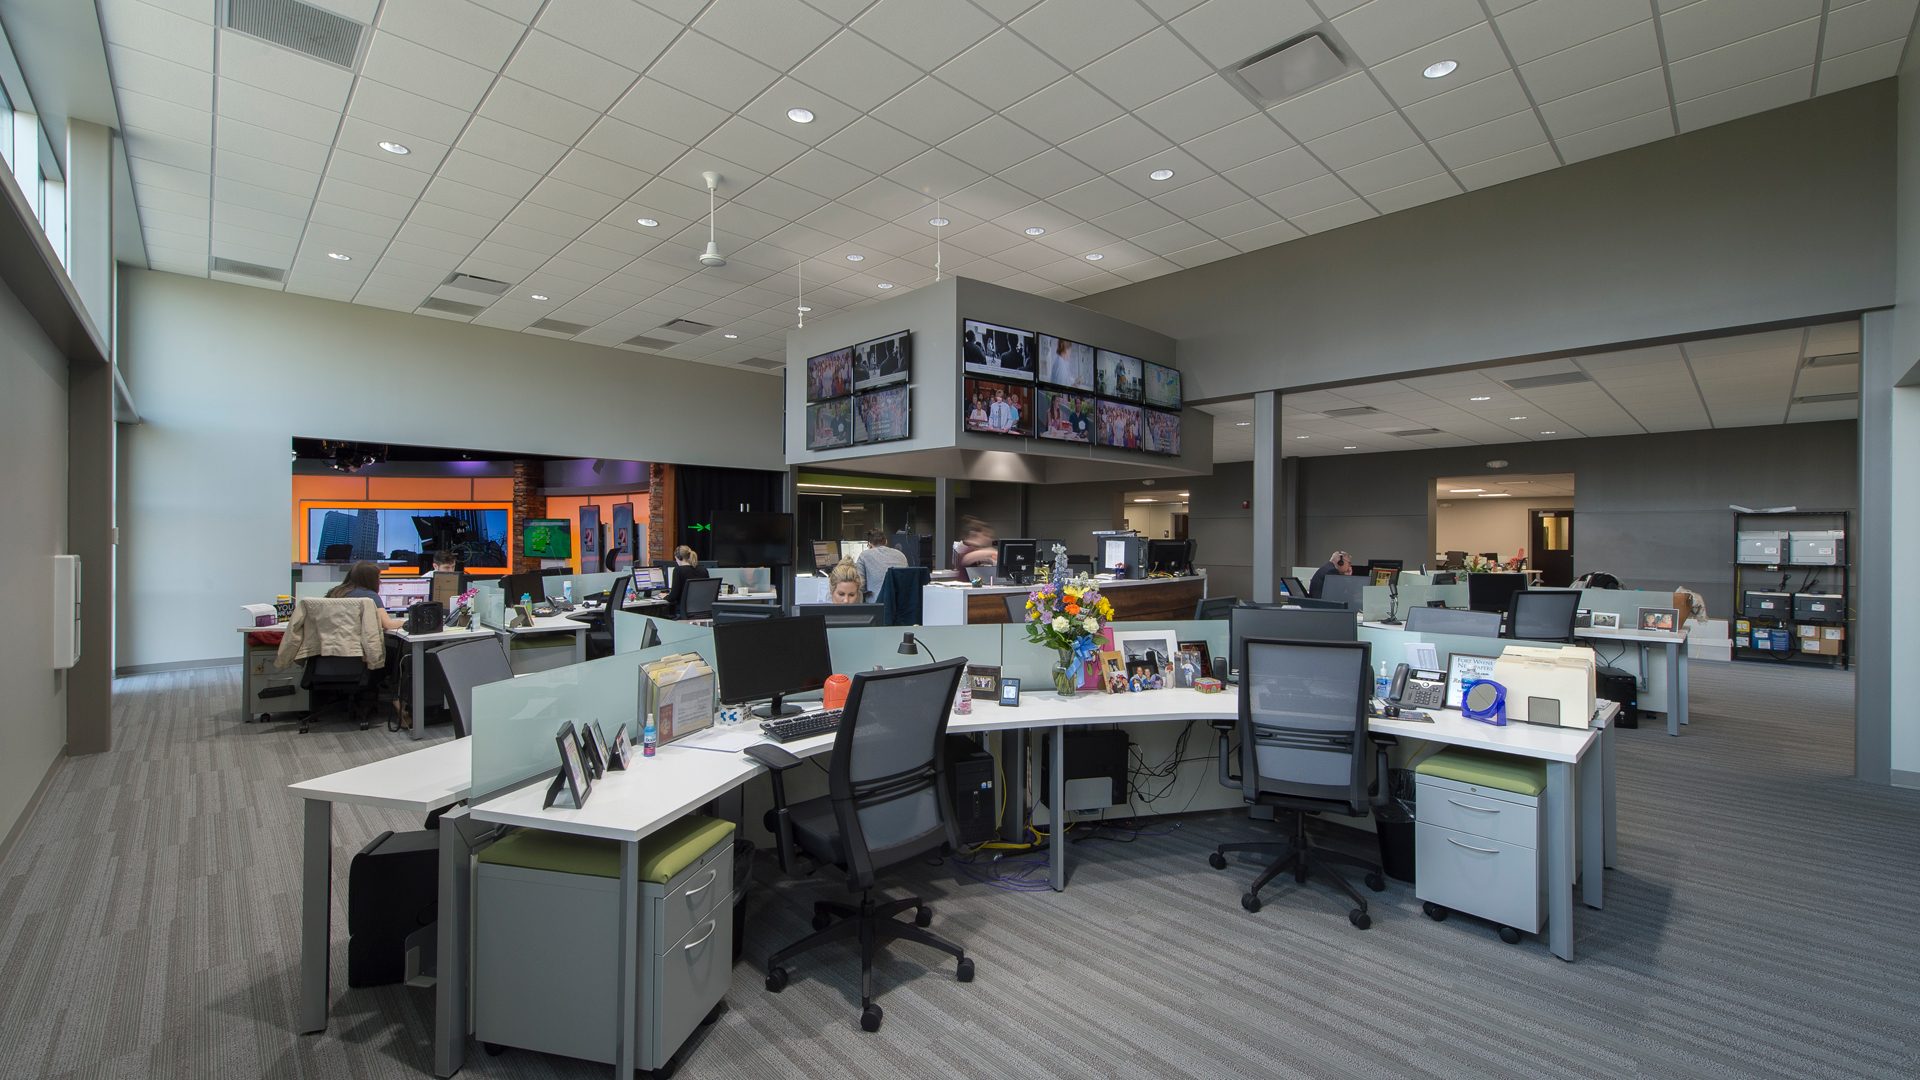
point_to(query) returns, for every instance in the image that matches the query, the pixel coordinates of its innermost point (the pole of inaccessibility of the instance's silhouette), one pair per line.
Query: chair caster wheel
(1217, 861)
(303, 729)
(1376, 882)
(493, 1049)
(822, 920)
(1360, 919)
(363, 725)
(923, 916)
(963, 971)
(776, 979)
(1434, 911)
(1250, 901)
(1509, 935)
(870, 1018)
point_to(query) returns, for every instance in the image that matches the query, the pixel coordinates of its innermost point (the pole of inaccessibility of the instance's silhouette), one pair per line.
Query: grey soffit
(1814, 399)
(241, 268)
(450, 307)
(1835, 360)
(305, 29)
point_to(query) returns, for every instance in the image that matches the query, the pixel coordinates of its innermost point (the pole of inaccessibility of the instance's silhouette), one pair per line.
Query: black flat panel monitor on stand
(517, 585)
(767, 659)
(1343, 589)
(1493, 592)
(1170, 556)
(752, 538)
(1017, 559)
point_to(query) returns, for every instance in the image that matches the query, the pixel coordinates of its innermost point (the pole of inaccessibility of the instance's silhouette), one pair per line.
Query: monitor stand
(776, 707)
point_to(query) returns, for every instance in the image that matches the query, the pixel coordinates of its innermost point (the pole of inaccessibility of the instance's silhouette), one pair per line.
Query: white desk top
(557, 623)
(450, 634)
(766, 595)
(426, 779)
(1117, 583)
(1633, 633)
(276, 627)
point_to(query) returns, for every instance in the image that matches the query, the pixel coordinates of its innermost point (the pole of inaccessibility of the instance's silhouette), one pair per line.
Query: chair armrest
(778, 761)
(1224, 729)
(775, 758)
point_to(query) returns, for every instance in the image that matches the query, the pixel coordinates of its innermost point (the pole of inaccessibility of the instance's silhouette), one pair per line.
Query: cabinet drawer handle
(1470, 847)
(712, 925)
(1470, 806)
(712, 872)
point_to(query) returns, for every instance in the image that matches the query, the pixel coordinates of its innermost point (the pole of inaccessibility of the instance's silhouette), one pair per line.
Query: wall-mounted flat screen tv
(1162, 385)
(993, 407)
(1160, 432)
(886, 361)
(478, 533)
(998, 352)
(830, 375)
(830, 424)
(547, 538)
(1117, 425)
(1064, 416)
(882, 416)
(1066, 363)
(1117, 375)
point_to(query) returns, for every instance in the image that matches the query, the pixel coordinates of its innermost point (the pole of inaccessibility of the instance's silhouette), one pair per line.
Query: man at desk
(874, 562)
(1337, 563)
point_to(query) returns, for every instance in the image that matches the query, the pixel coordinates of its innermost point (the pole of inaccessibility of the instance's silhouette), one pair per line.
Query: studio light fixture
(1549, 433)
(1465, 491)
(537, 296)
(938, 222)
(1143, 500)
(800, 116)
(730, 337)
(1243, 423)
(1303, 436)
(1516, 418)
(711, 256)
(884, 285)
(1440, 69)
(395, 148)
(1495, 495)
(1480, 397)
(1349, 448)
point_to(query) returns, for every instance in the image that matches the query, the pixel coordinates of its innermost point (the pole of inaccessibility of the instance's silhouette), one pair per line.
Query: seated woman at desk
(845, 584)
(363, 583)
(975, 546)
(686, 567)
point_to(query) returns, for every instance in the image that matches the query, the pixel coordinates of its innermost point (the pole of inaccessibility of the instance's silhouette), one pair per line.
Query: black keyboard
(789, 728)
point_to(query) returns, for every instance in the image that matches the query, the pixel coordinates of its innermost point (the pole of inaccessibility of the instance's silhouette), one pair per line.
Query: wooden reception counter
(945, 604)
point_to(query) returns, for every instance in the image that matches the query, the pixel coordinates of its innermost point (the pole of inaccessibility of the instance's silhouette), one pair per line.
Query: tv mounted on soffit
(547, 538)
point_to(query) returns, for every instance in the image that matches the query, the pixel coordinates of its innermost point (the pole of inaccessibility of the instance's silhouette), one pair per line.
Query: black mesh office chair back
(467, 664)
(728, 612)
(1433, 620)
(696, 601)
(845, 614)
(1215, 607)
(1016, 607)
(1542, 615)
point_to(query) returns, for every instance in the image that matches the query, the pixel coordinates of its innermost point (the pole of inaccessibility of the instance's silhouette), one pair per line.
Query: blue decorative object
(1484, 700)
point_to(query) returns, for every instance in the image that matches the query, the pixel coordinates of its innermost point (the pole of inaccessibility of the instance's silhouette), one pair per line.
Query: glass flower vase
(1064, 682)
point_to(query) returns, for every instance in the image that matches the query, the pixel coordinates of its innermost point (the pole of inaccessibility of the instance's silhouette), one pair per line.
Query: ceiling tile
(1475, 49)
(1308, 196)
(569, 71)
(1063, 110)
(1392, 170)
(1339, 104)
(282, 71)
(994, 143)
(1490, 140)
(1406, 196)
(856, 71)
(1383, 29)
(712, 72)
(823, 174)
(1228, 31)
(1237, 218)
(532, 109)
(399, 111)
(1238, 143)
(1276, 171)
(1131, 221)
(1116, 143)
(1745, 61)
(1620, 135)
(1198, 109)
(1632, 96)
(162, 33)
(1710, 24)
(1863, 25)
(1602, 60)
(1075, 32)
(157, 117)
(458, 28)
(1094, 198)
(1859, 68)
(927, 33)
(1548, 26)
(752, 145)
(931, 111)
(1334, 217)
(633, 147)
(1195, 199)
(1047, 174)
(1759, 96)
(417, 69)
(1153, 65)
(1000, 70)
(1499, 170)
(774, 32)
(935, 172)
(873, 146)
(1475, 103)
(489, 138)
(619, 30)
(1364, 141)
(660, 108)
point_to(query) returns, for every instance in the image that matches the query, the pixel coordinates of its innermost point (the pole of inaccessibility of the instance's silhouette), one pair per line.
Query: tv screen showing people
(830, 424)
(1160, 432)
(1117, 375)
(882, 416)
(1118, 426)
(998, 408)
(886, 361)
(996, 351)
(1162, 385)
(830, 375)
(1066, 363)
(1063, 416)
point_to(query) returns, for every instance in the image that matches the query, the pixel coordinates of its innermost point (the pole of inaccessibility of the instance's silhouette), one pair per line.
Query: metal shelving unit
(1792, 577)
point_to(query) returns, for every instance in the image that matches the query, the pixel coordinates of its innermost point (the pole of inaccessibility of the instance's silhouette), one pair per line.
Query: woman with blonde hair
(686, 567)
(845, 583)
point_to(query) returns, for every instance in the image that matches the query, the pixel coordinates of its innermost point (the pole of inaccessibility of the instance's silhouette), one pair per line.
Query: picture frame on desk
(1149, 656)
(984, 679)
(1113, 671)
(1666, 620)
(572, 784)
(1606, 620)
(1195, 661)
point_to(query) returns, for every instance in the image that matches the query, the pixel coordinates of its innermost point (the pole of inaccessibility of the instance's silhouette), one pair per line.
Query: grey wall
(33, 488)
(1777, 216)
(1650, 509)
(224, 374)
(1221, 528)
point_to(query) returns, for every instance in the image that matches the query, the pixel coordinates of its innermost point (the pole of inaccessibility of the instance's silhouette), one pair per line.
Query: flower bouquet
(1065, 613)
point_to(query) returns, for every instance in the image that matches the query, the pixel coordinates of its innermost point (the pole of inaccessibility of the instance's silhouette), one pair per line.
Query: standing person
(686, 567)
(845, 584)
(975, 546)
(874, 562)
(1337, 563)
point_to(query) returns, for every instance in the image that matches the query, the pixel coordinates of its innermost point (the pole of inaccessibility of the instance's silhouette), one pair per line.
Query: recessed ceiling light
(1160, 174)
(649, 222)
(1482, 397)
(340, 257)
(1495, 495)
(1466, 491)
(800, 116)
(856, 258)
(1243, 423)
(395, 148)
(1516, 418)
(1095, 257)
(1183, 494)
(938, 222)
(1440, 69)
(804, 307)
(1143, 500)
(884, 285)
(1036, 231)
(1349, 448)
(730, 336)
(1549, 433)
(538, 296)
(1303, 436)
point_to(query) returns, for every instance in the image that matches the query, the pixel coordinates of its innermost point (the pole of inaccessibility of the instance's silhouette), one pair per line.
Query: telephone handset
(1418, 687)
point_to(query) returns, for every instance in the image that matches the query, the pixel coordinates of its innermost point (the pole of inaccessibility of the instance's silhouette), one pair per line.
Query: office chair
(727, 612)
(1540, 615)
(900, 594)
(464, 665)
(600, 623)
(1440, 620)
(351, 675)
(696, 601)
(1215, 607)
(1016, 607)
(1303, 749)
(888, 803)
(1456, 560)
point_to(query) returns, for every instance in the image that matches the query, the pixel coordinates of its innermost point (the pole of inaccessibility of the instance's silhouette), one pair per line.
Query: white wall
(226, 374)
(1476, 525)
(33, 488)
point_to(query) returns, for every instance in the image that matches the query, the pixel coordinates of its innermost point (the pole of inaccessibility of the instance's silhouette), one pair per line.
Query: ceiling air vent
(1288, 70)
(761, 363)
(1410, 432)
(555, 326)
(1818, 399)
(449, 307)
(305, 29)
(475, 283)
(687, 327)
(247, 269)
(1358, 410)
(1535, 382)
(1834, 360)
(642, 341)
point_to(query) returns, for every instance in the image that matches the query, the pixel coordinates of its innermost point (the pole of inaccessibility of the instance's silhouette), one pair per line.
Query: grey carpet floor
(1760, 924)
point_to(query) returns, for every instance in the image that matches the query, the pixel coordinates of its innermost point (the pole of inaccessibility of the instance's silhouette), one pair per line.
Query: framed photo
(1117, 375)
(577, 782)
(1664, 619)
(1160, 432)
(1063, 416)
(1162, 385)
(992, 407)
(1113, 671)
(1149, 656)
(830, 375)
(886, 361)
(883, 415)
(1117, 425)
(1606, 620)
(830, 424)
(1194, 661)
(593, 751)
(1066, 363)
(984, 678)
(1009, 691)
(999, 352)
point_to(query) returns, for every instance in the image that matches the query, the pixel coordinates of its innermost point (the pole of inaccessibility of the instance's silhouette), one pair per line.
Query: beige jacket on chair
(326, 626)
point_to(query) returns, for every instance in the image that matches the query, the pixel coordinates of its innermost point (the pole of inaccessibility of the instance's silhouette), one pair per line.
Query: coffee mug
(732, 714)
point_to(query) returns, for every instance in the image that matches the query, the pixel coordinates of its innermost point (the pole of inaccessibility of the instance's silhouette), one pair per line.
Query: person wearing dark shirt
(686, 567)
(363, 583)
(1337, 563)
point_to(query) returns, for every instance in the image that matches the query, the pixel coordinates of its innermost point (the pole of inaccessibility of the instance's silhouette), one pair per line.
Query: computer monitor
(398, 594)
(1288, 623)
(443, 587)
(1017, 558)
(770, 658)
(1293, 586)
(1343, 589)
(845, 614)
(1122, 553)
(1446, 577)
(1386, 564)
(727, 612)
(514, 586)
(1380, 575)
(825, 554)
(649, 578)
(1493, 592)
(1543, 614)
(1170, 556)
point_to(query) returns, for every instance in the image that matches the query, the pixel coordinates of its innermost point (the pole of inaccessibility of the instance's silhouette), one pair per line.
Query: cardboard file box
(1818, 608)
(1817, 547)
(1760, 548)
(1770, 640)
(1766, 605)
(1548, 685)
(1822, 640)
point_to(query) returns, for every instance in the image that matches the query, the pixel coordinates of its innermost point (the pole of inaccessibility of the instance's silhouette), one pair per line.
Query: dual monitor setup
(1019, 561)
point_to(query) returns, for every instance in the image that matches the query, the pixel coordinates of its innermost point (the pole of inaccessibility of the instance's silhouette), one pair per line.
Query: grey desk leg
(450, 1013)
(1057, 810)
(627, 998)
(419, 659)
(1612, 842)
(1013, 755)
(1593, 827)
(246, 680)
(580, 645)
(1673, 693)
(1677, 669)
(1560, 841)
(1646, 675)
(316, 911)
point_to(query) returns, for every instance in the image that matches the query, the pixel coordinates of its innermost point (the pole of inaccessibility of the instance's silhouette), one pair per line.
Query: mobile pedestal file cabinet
(546, 934)
(1478, 845)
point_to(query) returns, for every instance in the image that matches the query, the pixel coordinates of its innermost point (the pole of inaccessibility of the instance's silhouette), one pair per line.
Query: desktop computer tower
(971, 778)
(1096, 769)
(1617, 684)
(393, 889)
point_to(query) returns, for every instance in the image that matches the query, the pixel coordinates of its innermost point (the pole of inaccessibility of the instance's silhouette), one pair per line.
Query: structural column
(1269, 510)
(91, 436)
(1887, 732)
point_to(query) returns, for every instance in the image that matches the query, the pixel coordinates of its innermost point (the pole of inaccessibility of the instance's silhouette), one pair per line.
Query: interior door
(1550, 546)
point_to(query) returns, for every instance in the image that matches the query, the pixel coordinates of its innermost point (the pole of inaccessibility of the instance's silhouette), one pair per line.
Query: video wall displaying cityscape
(403, 532)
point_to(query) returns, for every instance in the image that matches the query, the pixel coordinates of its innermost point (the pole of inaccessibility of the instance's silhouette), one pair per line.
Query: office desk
(559, 623)
(1133, 599)
(1675, 644)
(417, 653)
(763, 597)
(246, 670)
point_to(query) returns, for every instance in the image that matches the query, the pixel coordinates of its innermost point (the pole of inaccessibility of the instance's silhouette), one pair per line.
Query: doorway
(1550, 538)
(1498, 519)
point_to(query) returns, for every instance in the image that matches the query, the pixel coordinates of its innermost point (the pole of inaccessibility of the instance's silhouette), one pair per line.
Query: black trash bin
(1393, 824)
